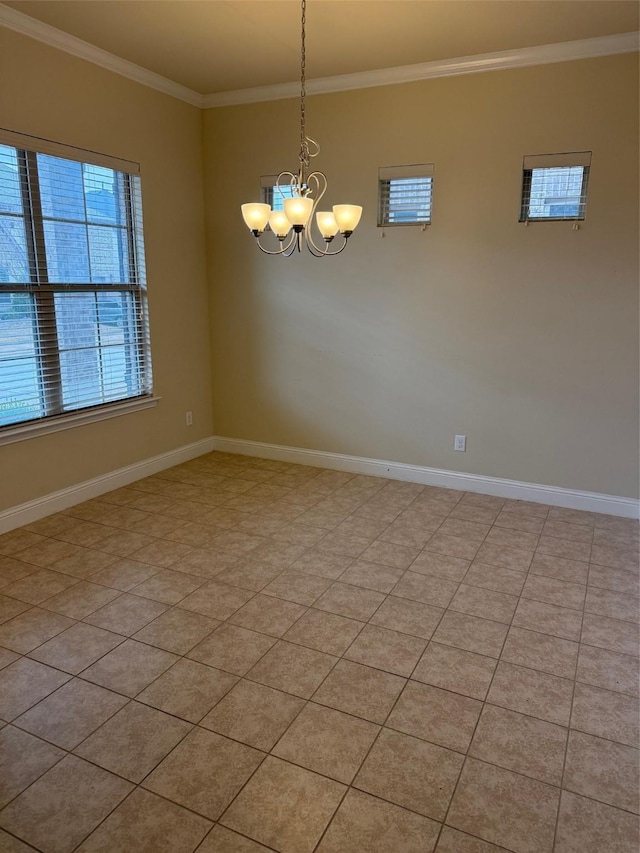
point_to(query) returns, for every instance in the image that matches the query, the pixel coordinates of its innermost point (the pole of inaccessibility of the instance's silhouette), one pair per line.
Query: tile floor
(244, 655)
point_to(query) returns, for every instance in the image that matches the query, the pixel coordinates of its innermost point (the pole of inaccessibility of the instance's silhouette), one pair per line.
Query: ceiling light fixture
(300, 196)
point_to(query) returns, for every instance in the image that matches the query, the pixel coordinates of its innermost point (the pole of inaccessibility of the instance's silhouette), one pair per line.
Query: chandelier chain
(304, 146)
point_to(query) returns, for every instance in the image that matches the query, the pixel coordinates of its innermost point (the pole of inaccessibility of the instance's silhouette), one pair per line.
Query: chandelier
(300, 195)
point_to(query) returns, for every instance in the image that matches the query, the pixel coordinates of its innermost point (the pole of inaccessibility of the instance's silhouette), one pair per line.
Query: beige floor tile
(366, 528)
(10, 607)
(77, 648)
(294, 669)
(277, 554)
(427, 589)
(80, 600)
(505, 808)
(518, 559)
(360, 690)
(478, 514)
(350, 601)
(177, 630)
(454, 669)
(616, 605)
(560, 567)
(30, 629)
(46, 552)
(299, 534)
(439, 716)
(247, 575)
(410, 773)
(567, 530)
(7, 657)
(541, 651)
(565, 549)
(347, 546)
(386, 650)
(453, 841)
(601, 631)
(410, 532)
(322, 518)
(325, 632)
(484, 603)
(372, 576)
(161, 553)
(616, 558)
(232, 649)
(216, 600)
(409, 617)
(64, 805)
(495, 578)
(471, 633)
(51, 525)
(268, 615)
(585, 826)
(23, 759)
(327, 741)
(554, 591)
(254, 714)
(602, 770)
(609, 670)
(505, 538)
(276, 791)
(223, 840)
(133, 741)
(36, 588)
(519, 521)
(126, 614)
(71, 713)
(531, 692)
(440, 565)
(147, 824)
(322, 564)
(297, 587)
(18, 540)
(521, 743)
(469, 529)
(13, 570)
(84, 563)
(122, 543)
(168, 587)
(548, 619)
(188, 690)
(618, 580)
(606, 714)
(452, 546)
(124, 574)
(365, 824)
(85, 533)
(204, 773)
(203, 562)
(129, 668)
(25, 682)
(389, 554)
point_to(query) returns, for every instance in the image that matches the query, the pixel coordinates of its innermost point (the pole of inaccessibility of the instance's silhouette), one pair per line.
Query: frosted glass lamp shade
(327, 224)
(347, 216)
(256, 215)
(279, 223)
(298, 210)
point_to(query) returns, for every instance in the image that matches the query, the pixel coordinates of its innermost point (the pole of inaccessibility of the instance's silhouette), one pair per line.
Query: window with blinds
(272, 193)
(73, 309)
(405, 195)
(554, 186)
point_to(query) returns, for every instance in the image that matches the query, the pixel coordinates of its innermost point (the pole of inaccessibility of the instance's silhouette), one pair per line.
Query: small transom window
(554, 186)
(405, 195)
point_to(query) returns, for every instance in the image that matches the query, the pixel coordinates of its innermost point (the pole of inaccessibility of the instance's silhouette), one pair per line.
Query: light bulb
(256, 215)
(279, 223)
(347, 216)
(298, 210)
(327, 224)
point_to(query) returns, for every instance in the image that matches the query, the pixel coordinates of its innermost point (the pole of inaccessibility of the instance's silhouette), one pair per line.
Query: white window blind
(73, 309)
(554, 186)
(405, 194)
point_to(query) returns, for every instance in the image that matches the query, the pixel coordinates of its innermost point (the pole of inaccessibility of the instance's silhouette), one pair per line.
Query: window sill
(21, 432)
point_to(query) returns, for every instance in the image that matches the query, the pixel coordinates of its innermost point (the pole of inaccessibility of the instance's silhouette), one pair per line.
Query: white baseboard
(56, 501)
(553, 495)
(26, 513)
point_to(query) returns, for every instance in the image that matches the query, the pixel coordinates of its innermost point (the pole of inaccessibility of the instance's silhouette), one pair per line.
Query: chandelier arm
(282, 250)
(320, 253)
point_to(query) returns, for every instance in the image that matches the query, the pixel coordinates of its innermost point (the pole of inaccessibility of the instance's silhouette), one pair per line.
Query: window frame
(536, 162)
(387, 174)
(48, 356)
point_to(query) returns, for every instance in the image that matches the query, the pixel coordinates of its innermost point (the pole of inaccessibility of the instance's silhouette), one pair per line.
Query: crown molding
(499, 61)
(54, 37)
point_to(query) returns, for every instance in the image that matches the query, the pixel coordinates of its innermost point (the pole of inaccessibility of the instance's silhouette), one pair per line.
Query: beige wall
(48, 93)
(523, 338)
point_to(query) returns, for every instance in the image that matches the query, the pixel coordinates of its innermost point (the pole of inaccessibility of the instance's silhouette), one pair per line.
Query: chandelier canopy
(300, 195)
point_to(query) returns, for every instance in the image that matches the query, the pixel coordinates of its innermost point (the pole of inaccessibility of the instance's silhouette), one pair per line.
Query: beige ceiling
(222, 45)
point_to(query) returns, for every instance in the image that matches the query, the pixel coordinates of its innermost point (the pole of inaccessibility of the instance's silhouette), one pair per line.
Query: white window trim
(57, 423)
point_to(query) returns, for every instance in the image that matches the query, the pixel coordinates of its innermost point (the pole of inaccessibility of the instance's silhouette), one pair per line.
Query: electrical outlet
(460, 442)
(189, 418)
